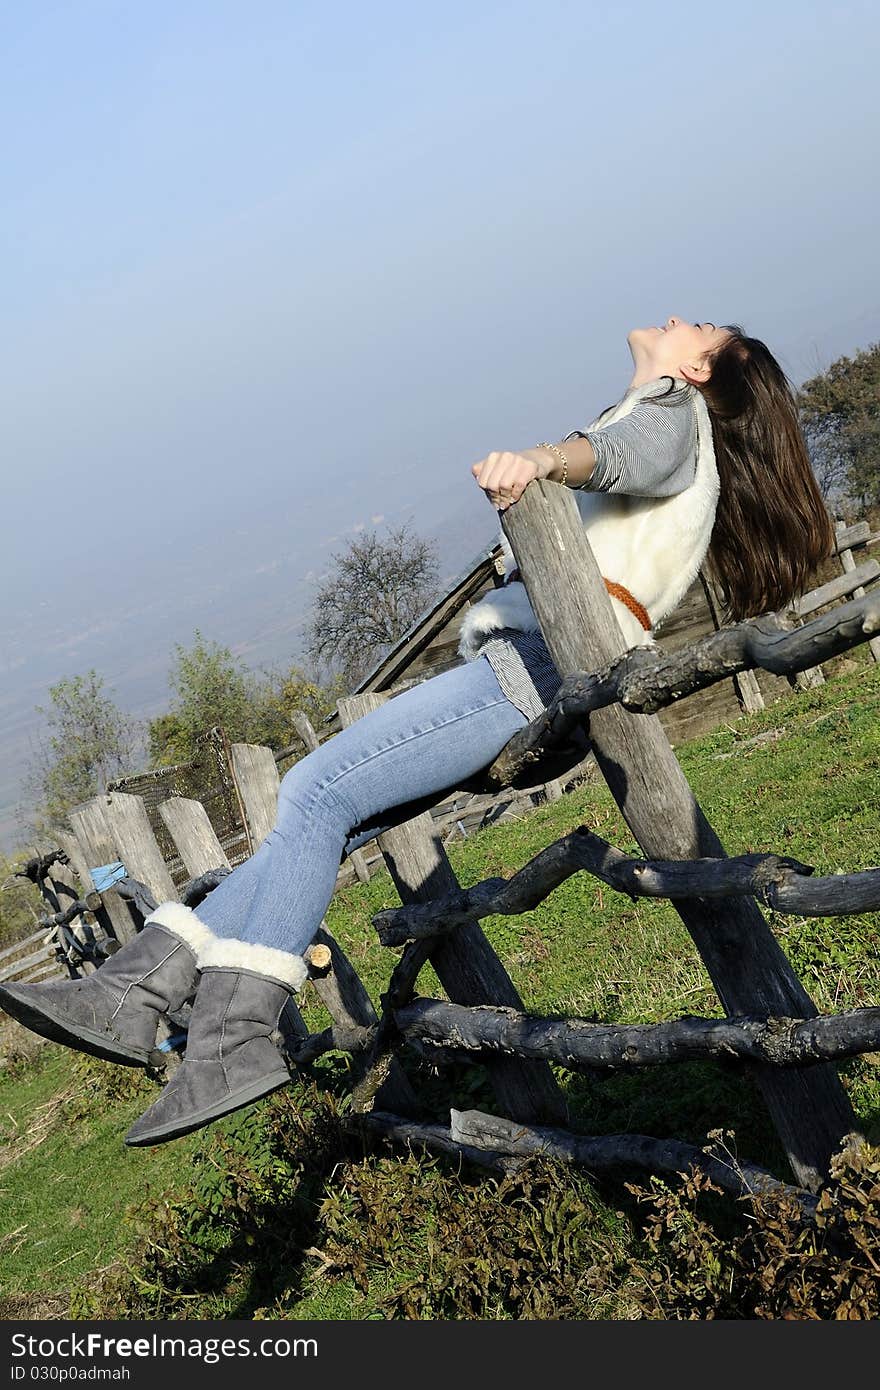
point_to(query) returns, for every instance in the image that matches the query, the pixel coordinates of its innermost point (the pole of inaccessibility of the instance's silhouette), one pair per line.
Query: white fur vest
(654, 546)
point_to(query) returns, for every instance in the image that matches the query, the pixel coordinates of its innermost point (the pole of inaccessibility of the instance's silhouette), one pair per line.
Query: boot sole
(245, 1095)
(52, 1026)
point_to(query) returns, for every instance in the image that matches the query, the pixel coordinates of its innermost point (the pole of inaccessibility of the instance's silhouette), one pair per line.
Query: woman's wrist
(559, 472)
(547, 463)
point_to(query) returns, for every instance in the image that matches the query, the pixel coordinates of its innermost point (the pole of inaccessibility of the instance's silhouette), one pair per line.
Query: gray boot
(114, 1013)
(232, 1055)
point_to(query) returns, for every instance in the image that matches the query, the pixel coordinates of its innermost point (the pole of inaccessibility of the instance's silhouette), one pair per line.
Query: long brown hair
(772, 527)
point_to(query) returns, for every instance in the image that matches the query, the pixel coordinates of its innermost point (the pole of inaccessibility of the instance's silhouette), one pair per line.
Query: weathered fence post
(466, 965)
(256, 776)
(190, 828)
(97, 847)
(135, 843)
(843, 532)
(745, 683)
(749, 970)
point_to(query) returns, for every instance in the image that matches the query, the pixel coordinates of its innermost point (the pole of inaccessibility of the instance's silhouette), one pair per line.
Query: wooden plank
(747, 966)
(841, 587)
(25, 941)
(17, 966)
(133, 835)
(51, 969)
(303, 726)
(848, 536)
(193, 834)
(256, 776)
(97, 847)
(466, 965)
(849, 565)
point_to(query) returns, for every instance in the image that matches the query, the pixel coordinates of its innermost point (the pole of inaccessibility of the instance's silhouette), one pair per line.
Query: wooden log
(782, 883)
(584, 1046)
(844, 541)
(346, 1000)
(359, 865)
(616, 1153)
(194, 837)
(809, 677)
(97, 847)
(418, 1137)
(643, 681)
(747, 966)
(256, 776)
(332, 1039)
(837, 588)
(466, 965)
(136, 844)
(318, 958)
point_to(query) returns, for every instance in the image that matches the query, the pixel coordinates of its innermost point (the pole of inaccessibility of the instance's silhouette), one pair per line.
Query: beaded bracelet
(555, 449)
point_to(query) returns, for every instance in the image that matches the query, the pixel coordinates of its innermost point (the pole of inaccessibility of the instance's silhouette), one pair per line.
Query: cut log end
(318, 959)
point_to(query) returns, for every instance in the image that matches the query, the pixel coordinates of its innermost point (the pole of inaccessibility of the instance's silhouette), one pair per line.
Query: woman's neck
(645, 375)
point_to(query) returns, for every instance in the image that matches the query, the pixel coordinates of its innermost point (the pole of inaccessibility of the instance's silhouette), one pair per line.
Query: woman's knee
(305, 791)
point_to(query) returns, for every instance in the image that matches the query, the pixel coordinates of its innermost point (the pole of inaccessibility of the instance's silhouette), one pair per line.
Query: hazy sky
(276, 267)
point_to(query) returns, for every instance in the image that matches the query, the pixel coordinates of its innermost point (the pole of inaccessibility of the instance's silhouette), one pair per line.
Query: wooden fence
(612, 695)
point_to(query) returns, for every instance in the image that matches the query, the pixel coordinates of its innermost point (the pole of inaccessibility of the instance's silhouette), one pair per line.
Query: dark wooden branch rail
(499, 1143)
(781, 882)
(584, 1046)
(644, 681)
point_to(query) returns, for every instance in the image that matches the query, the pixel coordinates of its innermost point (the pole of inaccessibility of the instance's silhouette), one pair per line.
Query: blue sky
(272, 270)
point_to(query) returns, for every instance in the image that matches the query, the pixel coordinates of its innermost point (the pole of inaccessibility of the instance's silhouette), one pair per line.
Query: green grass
(77, 1202)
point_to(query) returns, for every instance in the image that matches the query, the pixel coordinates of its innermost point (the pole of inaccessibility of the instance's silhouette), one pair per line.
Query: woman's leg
(381, 770)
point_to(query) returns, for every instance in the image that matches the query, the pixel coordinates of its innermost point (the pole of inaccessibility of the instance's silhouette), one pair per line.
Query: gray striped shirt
(652, 452)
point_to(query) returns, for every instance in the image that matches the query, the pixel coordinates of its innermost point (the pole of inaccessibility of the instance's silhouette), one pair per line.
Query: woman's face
(677, 348)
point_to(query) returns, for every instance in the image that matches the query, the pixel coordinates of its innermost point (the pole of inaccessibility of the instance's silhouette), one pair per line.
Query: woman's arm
(505, 476)
(649, 453)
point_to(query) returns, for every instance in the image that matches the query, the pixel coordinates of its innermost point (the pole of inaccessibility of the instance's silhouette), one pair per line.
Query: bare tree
(374, 592)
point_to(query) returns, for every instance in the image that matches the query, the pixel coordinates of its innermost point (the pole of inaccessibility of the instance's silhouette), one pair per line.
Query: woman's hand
(504, 477)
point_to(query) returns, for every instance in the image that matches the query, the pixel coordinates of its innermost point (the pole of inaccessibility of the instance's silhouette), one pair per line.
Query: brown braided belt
(618, 591)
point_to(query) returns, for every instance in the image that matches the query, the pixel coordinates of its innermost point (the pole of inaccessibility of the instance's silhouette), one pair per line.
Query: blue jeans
(388, 766)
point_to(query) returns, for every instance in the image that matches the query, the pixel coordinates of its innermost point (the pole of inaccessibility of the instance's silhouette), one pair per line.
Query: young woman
(701, 461)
